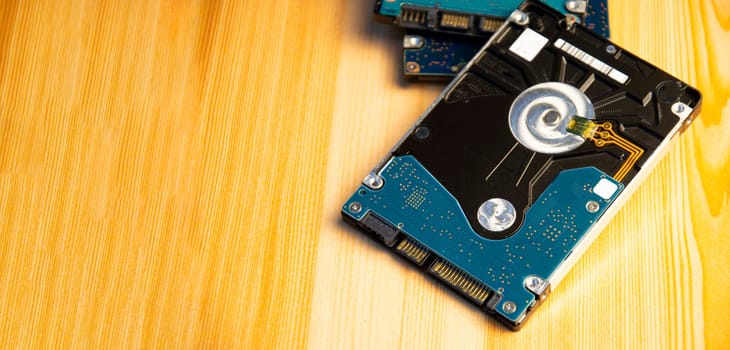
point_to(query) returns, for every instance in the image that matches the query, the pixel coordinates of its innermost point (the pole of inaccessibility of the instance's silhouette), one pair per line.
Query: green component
(582, 127)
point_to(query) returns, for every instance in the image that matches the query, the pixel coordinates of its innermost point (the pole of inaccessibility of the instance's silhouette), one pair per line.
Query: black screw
(422, 133)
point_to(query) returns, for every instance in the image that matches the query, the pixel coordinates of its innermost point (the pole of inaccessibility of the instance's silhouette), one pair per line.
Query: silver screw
(519, 17)
(571, 5)
(509, 307)
(611, 50)
(576, 6)
(374, 181)
(533, 282)
(355, 207)
(681, 110)
(592, 206)
(678, 108)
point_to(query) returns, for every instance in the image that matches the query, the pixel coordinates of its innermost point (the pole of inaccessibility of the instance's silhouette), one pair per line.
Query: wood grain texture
(171, 174)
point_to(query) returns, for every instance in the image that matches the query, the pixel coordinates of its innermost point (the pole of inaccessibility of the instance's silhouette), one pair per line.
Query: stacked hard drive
(440, 37)
(544, 131)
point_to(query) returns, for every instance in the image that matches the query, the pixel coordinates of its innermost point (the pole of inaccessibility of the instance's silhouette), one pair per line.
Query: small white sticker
(605, 189)
(528, 44)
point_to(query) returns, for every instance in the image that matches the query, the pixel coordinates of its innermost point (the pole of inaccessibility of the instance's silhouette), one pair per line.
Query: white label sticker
(528, 44)
(595, 63)
(605, 189)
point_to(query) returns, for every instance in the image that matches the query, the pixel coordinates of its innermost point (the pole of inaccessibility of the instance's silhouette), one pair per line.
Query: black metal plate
(469, 136)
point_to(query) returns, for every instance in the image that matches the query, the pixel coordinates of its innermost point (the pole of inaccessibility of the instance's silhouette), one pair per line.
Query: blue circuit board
(420, 208)
(464, 17)
(430, 55)
(500, 8)
(597, 17)
(437, 55)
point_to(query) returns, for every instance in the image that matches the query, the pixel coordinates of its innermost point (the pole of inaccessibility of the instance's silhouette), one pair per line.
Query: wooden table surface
(171, 174)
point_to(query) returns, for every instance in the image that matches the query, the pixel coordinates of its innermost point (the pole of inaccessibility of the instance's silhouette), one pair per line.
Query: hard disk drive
(512, 172)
